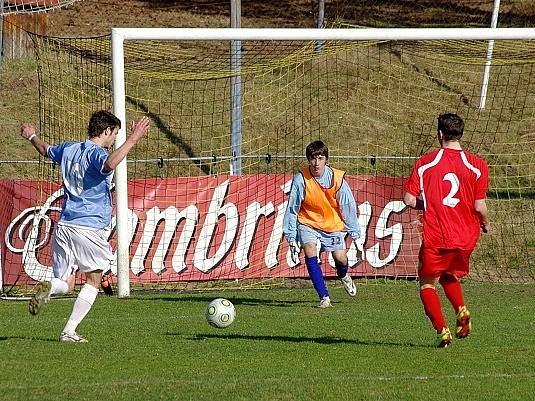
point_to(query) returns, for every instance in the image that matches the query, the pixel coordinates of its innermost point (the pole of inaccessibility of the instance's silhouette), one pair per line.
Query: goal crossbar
(324, 34)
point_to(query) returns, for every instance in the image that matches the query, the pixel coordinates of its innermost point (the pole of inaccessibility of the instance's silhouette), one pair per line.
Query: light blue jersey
(87, 198)
(344, 197)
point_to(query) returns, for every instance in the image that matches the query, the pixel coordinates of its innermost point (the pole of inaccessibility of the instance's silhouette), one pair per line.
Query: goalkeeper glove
(359, 247)
(294, 252)
(359, 243)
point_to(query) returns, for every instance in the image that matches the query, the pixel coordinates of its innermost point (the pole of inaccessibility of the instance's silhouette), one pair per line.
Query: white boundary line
(152, 381)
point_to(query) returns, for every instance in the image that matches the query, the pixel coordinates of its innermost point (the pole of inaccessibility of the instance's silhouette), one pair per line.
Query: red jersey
(449, 182)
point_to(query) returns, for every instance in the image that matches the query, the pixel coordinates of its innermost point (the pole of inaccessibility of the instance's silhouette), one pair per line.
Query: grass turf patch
(281, 347)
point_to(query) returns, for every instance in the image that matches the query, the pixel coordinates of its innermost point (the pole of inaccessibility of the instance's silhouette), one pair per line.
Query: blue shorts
(329, 242)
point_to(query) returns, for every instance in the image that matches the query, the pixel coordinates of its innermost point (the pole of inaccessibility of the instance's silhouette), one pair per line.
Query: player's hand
(294, 252)
(485, 227)
(27, 130)
(139, 128)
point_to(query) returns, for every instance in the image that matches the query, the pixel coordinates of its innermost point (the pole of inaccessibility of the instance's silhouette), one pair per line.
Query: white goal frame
(120, 35)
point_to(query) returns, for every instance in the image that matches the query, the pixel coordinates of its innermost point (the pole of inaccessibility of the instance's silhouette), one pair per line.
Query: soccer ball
(220, 313)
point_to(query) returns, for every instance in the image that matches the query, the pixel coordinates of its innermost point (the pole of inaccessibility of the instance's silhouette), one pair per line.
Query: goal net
(11, 7)
(207, 188)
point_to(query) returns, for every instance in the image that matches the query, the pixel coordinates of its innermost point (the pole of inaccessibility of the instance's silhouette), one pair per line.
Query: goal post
(121, 173)
(120, 35)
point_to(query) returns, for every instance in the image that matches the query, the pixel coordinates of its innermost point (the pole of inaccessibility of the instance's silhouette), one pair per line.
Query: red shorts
(436, 261)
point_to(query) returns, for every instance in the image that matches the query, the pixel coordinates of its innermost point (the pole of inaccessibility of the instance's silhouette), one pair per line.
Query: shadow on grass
(5, 338)
(235, 300)
(317, 340)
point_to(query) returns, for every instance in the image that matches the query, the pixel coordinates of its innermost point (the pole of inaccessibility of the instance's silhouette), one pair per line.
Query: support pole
(490, 49)
(320, 23)
(1, 35)
(235, 91)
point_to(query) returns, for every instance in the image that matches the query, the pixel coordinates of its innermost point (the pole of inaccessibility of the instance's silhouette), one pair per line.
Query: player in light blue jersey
(321, 208)
(81, 237)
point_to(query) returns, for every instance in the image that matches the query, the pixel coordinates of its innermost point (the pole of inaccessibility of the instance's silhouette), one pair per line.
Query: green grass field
(377, 346)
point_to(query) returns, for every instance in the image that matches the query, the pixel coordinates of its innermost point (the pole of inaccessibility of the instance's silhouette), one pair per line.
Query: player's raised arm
(27, 131)
(139, 128)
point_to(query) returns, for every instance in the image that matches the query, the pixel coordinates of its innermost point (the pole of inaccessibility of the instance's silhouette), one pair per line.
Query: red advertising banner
(209, 228)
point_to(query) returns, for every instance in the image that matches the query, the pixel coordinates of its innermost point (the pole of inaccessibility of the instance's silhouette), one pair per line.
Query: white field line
(370, 378)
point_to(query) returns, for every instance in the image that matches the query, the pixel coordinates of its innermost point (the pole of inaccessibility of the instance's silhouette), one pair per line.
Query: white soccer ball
(220, 313)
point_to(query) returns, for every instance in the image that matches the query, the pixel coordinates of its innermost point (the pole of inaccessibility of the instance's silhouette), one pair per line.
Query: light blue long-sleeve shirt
(344, 197)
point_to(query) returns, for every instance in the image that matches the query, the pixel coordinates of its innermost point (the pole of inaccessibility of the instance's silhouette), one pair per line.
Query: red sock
(432, 307)
(453, 290)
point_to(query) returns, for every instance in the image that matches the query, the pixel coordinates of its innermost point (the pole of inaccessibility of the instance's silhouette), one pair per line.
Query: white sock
(81, 307)
(58, 286)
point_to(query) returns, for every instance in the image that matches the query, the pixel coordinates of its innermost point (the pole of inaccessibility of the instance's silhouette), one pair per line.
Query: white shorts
(329, 242)
(76, 248)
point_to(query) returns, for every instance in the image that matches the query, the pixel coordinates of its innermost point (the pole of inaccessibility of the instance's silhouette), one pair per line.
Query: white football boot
(349, 285)
(71, 338)
(41, 297)
(325, 302)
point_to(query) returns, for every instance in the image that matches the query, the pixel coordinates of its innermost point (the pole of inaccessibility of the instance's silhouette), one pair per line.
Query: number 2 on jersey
(450, 199)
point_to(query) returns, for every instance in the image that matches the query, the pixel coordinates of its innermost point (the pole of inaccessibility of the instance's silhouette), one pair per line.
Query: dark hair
(451, 125)
(316, 148)
(99, 121)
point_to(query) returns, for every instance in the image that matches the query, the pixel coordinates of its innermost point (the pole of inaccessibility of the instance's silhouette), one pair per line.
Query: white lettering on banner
(34, 215)
(270, 258)
(171, 219)
(272, 250)
(365, 215)
(253, 213)
(383, 231)
(133, 221)
(33, 227)
(191, 216)
(216, 209)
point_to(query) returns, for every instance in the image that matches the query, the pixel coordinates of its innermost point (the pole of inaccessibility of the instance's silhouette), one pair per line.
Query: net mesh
(373, 103)
(11, 7)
